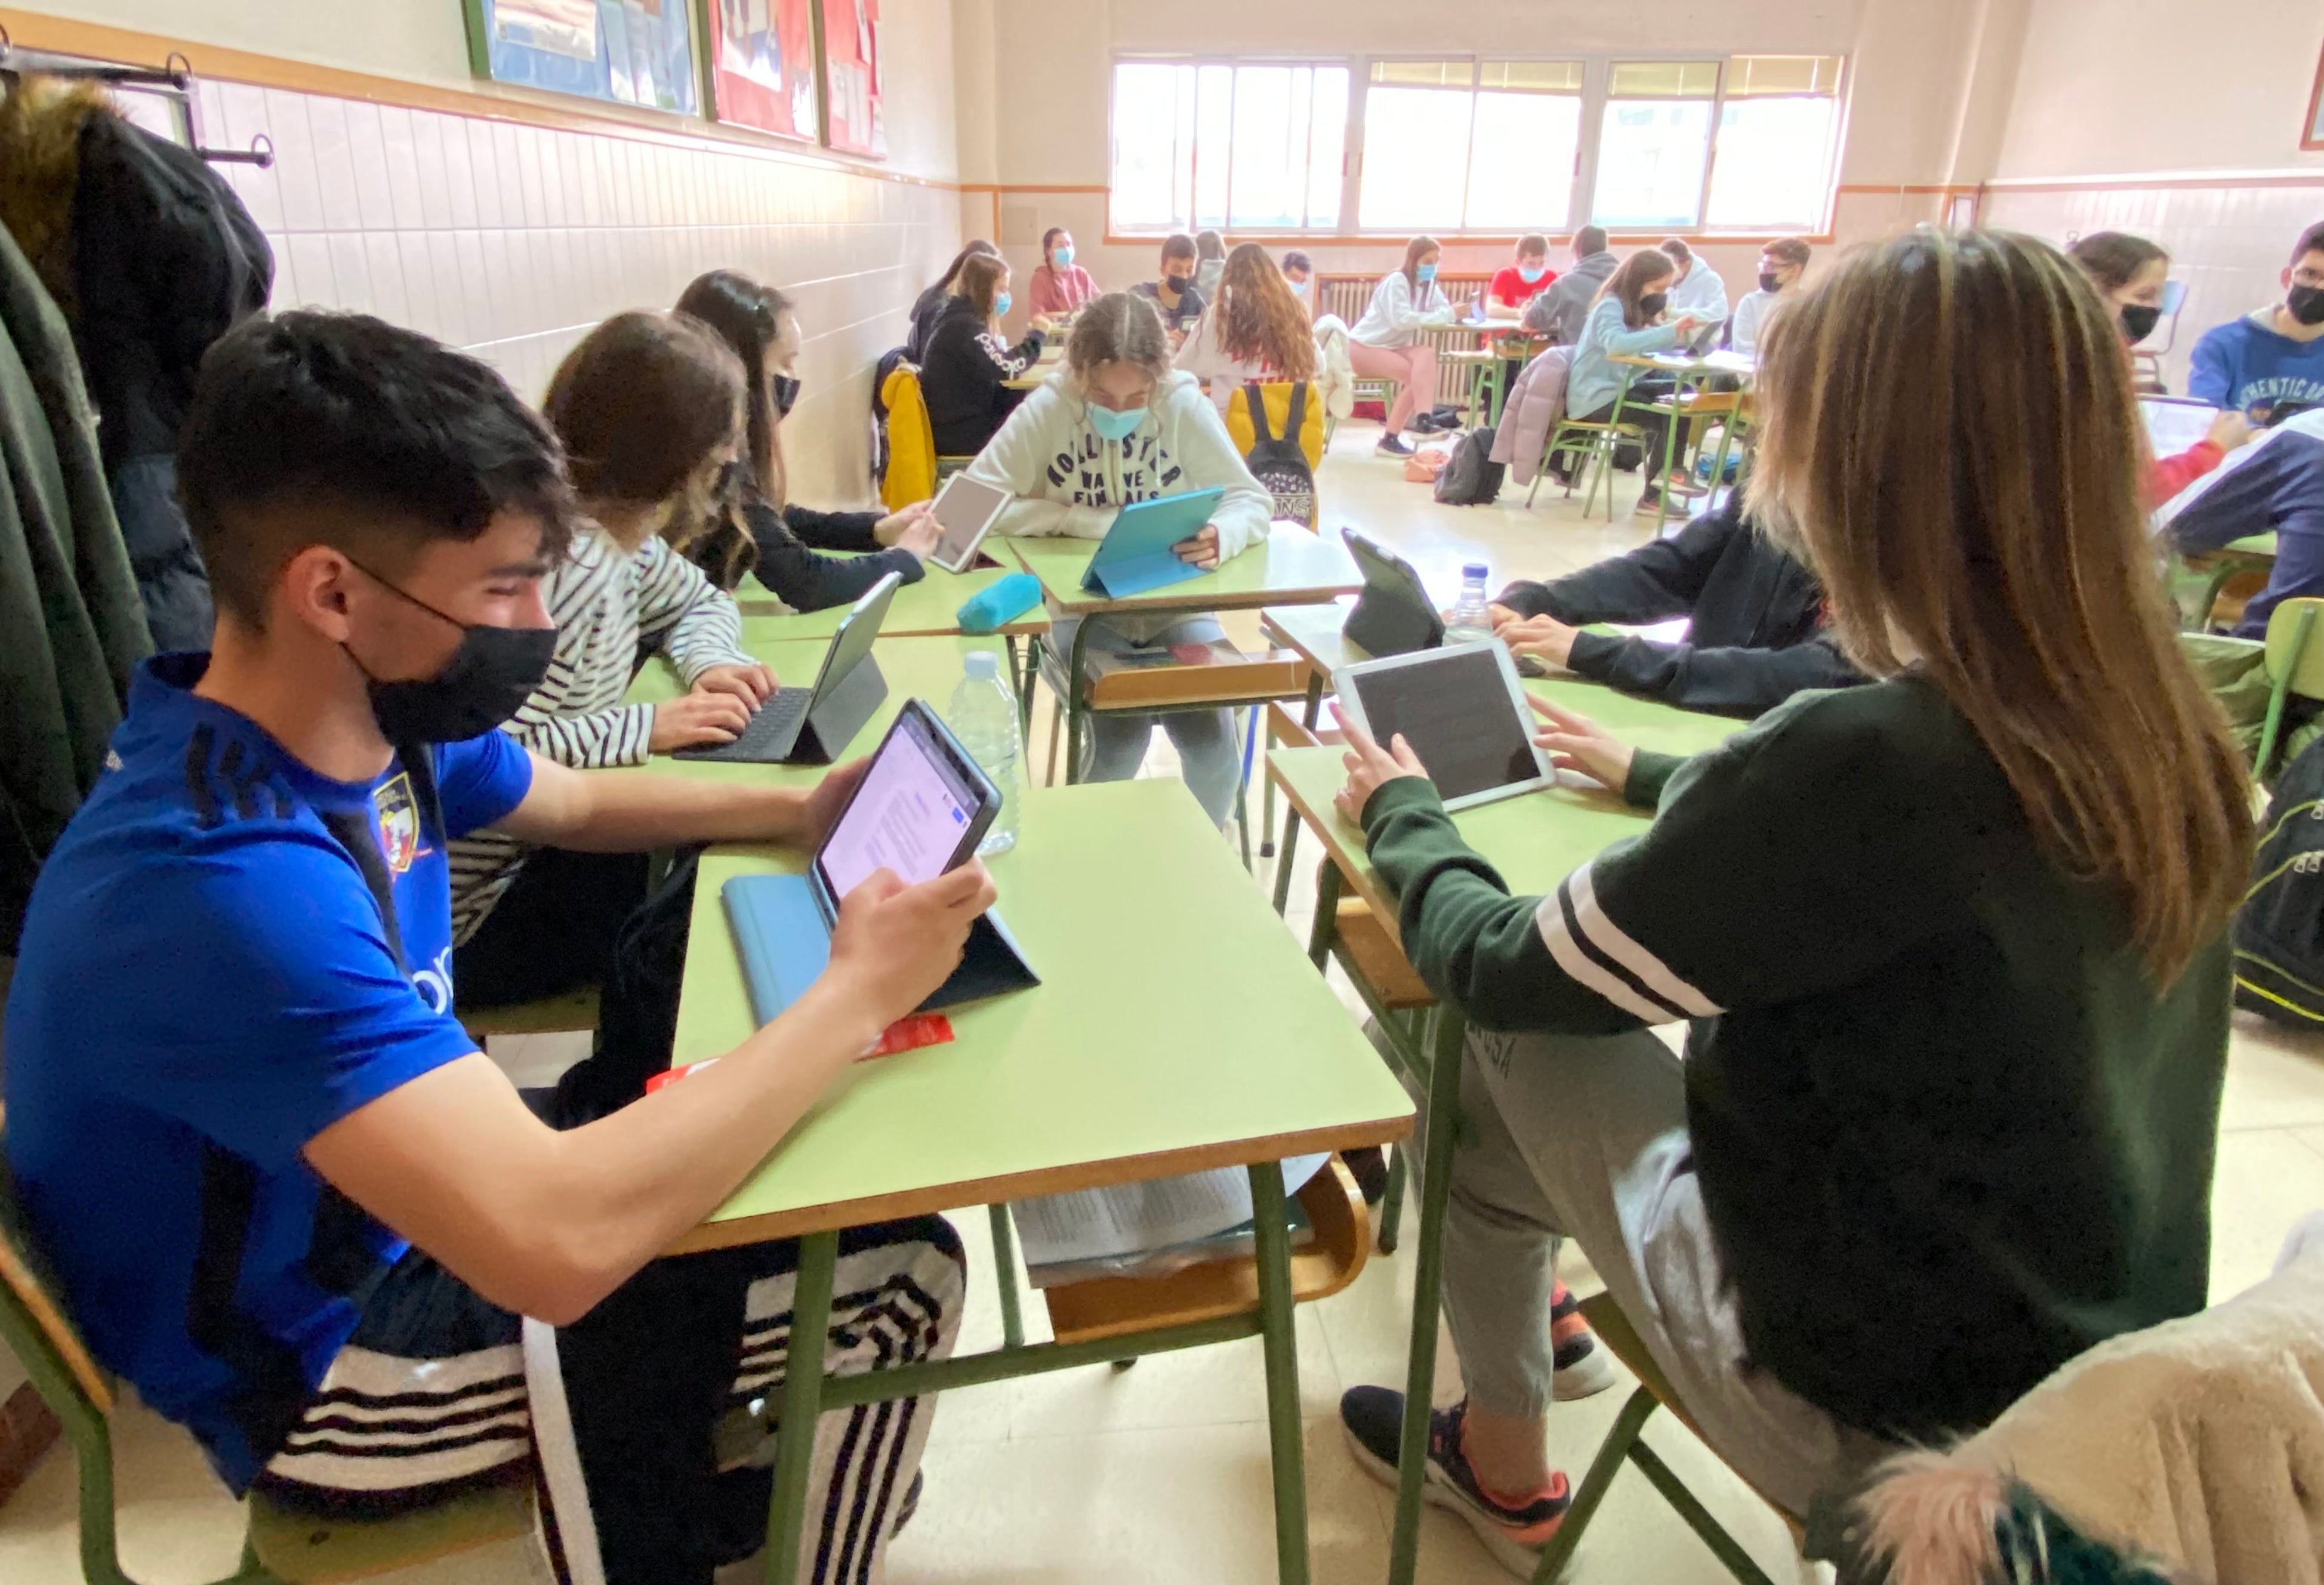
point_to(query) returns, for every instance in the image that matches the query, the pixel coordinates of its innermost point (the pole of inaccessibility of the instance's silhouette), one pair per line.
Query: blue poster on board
(629, 51)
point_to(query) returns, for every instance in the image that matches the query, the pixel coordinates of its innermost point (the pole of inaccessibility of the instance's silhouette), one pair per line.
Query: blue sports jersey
(225, 955)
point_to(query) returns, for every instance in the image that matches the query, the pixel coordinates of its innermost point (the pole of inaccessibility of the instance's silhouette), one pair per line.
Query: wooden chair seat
(1271, 673)
(1379, 957)
(1621, 1340)
(575, 1011)
(1111, 1306)
(308, 1549)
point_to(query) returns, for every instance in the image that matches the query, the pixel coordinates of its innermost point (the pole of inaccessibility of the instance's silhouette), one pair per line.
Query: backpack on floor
(1275, 461)
(2279, 931)
(1472, 478)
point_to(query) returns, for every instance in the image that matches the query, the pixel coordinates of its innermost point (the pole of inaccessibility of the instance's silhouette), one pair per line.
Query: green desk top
(1178, 1027)
(927, 667)
(931, 606)
(1535, 840)
(1294, 567)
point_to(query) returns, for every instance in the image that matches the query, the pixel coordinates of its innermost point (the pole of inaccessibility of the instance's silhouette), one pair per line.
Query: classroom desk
(1295, 566)
(1698, 370)
(1179, 1033)
(1534, 841)
(926, 667)
(931, 605)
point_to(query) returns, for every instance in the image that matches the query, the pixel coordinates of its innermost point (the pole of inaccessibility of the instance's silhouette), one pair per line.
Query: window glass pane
(1270, 165)
(1327, 152)
(1412, 140)
(1754, 75)
(1540, 77)
(1214, 124)
(1773, 160)
(1521, 162)
(1650, 159)
(1146, 145)
(1428, 74)
(1665, 79)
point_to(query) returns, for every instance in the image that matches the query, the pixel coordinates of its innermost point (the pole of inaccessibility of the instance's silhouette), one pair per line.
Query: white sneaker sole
(1436, 1491)
(1589, 1377)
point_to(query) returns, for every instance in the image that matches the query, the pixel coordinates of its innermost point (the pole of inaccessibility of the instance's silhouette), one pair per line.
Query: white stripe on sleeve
(1610, 939)
(1585, 970)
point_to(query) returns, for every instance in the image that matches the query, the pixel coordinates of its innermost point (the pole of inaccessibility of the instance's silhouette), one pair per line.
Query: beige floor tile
(2275, 1076)
(2267, 1180)
(177, 1524)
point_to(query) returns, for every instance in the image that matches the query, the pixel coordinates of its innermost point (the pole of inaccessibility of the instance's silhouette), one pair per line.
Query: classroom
(1392, 793)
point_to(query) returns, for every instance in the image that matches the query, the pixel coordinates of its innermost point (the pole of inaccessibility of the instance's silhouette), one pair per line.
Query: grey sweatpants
(1587, 1138)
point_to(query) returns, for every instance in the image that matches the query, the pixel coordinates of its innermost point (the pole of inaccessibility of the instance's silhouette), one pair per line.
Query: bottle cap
(983, 665)
(1476, 569)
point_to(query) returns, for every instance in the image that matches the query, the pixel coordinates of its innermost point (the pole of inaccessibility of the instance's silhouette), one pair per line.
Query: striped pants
(430, 1395)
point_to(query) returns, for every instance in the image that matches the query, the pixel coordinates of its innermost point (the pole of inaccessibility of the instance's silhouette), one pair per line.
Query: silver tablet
(1464, 712)
(966, 510)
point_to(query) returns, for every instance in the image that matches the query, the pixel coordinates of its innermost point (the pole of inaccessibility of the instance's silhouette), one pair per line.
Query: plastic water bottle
(983, 717)
(1471, 622)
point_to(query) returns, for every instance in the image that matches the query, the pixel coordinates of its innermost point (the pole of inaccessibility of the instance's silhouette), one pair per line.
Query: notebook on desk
(921, 810)
(1137, 553)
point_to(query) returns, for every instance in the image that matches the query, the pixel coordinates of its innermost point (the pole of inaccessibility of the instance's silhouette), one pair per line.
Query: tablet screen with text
(915, 813)
(1453, 707)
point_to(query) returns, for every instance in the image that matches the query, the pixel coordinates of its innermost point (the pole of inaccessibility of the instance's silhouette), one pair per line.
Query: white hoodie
(1069, 481)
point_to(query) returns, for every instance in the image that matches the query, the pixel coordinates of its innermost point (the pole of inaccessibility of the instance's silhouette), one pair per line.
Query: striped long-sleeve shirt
(611, 609)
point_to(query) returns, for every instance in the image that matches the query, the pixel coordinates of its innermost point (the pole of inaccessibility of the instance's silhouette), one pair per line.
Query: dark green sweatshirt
(1949, 1132)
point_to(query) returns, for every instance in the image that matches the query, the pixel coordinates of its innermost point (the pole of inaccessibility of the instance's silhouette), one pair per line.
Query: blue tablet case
(778, 930)
(1135, 555)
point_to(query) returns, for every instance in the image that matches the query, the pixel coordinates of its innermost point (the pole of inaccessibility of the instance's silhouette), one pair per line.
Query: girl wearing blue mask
(1119, 425)
(964, 377)
(1386, 343)
(1059, 285)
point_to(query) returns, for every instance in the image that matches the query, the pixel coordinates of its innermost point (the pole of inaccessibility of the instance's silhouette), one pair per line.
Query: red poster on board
(762, 65)
(851, 60)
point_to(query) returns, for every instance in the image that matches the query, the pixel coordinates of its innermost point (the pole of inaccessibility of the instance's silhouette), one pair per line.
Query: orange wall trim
(483, 101)
(2219, 180)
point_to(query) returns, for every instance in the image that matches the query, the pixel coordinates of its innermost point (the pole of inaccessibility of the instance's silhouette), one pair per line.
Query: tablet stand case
(1388, 621)
(1138, 564)
(780, 933)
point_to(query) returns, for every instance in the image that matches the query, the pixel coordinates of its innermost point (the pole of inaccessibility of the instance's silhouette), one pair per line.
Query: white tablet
(1464, 712)
(965, 509)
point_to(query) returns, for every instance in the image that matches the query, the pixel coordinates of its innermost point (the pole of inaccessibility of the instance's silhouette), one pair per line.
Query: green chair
(1626, 1443)
(284, 1546)
(2295, 665)
(1590, 443)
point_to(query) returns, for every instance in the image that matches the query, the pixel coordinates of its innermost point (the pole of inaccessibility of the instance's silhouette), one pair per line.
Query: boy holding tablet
(285, 1194)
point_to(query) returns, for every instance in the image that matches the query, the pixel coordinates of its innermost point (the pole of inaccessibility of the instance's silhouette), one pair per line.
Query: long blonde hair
(1951, 442)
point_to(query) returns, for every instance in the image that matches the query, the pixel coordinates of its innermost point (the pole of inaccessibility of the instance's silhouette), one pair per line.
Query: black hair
(349, 410)
(2311, 241)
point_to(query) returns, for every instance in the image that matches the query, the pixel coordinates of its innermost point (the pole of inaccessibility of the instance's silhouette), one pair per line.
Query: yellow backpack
(911, 444)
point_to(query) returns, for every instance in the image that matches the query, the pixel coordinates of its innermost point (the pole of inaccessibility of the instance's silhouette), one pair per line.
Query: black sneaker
(1368, 1166)
(1391, 445)
(1373, 1418)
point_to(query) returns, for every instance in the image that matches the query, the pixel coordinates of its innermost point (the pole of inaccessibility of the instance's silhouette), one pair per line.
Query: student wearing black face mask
(2272, 354)
(285, 1194)
(1181, 301)
(753, 527)
(1783, 265)
(1627, 317)
(2130, 273)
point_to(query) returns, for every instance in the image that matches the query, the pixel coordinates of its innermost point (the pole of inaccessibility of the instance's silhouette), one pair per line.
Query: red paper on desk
(909, 1033)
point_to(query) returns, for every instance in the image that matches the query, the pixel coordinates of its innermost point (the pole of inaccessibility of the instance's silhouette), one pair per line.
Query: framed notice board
(627, 52)
(853, 84)
(762, 65)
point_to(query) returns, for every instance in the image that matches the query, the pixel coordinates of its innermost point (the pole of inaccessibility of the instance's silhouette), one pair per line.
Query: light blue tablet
(1135, 554)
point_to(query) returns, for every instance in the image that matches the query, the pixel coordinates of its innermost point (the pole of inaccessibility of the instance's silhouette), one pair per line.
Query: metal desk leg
(1025, 694)
(818, 1261)
(1016, 673)
(1327, 914)
(1670, 453)
(1077, 708)
(1291, 817)
(1442, 1122)
(1004, 1272)
(1273, 1239)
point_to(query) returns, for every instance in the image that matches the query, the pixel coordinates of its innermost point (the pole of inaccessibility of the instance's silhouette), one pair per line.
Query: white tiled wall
(513, 240)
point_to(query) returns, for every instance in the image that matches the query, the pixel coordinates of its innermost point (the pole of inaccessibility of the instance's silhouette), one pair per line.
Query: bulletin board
(853, 121)
(628, 51)
(762, 71)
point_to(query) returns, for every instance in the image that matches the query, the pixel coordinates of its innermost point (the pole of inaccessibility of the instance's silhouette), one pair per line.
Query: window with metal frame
(1469, 146)
(1244, 145)
(1778, 120)
(1653, 144)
